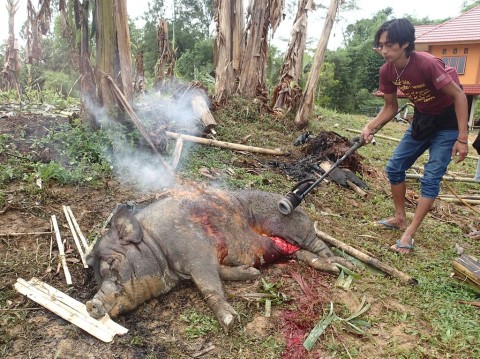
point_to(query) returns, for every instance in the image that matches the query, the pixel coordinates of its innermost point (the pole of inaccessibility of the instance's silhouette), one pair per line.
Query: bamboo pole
(404, 278)
(75, 237)
(222, 144)
(446, 178)
(69, 309)
(61, 251)
(77, 228)
(460, 200)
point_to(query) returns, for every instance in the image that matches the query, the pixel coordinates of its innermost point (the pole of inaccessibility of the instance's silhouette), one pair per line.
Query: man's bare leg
(423, 207)
(398, 194)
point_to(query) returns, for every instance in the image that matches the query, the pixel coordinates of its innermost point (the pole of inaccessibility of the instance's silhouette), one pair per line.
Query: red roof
(422, 29)
(463, 28)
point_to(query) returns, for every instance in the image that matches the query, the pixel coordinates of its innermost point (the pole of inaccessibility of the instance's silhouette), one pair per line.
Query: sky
(366, 9)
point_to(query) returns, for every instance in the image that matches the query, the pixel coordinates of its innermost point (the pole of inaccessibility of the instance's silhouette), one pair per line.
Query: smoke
(166, 108)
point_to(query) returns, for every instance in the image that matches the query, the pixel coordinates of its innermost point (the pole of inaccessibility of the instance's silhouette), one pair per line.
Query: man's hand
(460, 150)
(366, 134)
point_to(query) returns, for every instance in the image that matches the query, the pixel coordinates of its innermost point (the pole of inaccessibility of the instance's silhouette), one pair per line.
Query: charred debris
(317, 154)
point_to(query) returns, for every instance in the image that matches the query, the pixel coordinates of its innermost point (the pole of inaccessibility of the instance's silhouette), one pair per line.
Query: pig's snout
(95, 308)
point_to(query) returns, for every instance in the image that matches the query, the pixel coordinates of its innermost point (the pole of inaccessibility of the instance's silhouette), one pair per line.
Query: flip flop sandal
(387, 225)
(405, 246)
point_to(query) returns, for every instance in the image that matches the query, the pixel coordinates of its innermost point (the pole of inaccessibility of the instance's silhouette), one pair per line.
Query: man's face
(390, 51)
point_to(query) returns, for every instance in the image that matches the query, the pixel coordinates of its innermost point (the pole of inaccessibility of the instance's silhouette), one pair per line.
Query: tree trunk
(123, 48)
(139, 83)
(262, 14)
(286, 94)
(113, 50)
(166, 56)
(11, 67)
(228, 47)
(306, 102)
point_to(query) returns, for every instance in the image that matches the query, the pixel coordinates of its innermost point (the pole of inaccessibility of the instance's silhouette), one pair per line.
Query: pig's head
(129, 268)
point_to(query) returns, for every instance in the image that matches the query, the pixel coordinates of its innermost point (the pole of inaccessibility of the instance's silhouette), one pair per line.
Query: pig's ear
(127, 227)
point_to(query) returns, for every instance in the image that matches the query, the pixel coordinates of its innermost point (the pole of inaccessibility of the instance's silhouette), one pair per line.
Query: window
(455, 50)
(444, 51)
(458, 62)
(465, 50)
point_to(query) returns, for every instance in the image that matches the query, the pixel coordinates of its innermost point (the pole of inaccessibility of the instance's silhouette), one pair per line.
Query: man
(440, 122)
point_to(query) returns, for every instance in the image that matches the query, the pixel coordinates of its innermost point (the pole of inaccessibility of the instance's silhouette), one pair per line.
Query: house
(457, 43)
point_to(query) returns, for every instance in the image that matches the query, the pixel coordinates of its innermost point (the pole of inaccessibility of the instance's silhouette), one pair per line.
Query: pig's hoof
(95, 308)
(226, 317)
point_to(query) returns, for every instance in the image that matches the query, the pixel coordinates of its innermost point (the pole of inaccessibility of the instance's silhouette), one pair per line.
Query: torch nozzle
(292, 199)
(288, 203)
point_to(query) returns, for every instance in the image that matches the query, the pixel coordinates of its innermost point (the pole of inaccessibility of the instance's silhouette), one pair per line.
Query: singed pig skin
(197, 234)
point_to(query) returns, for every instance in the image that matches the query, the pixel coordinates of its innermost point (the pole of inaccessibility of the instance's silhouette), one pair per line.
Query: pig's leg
(243, 272)
(207, 279)
(326, 264)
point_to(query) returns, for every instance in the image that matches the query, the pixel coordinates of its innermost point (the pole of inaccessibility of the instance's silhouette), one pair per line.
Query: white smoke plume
(166, 108)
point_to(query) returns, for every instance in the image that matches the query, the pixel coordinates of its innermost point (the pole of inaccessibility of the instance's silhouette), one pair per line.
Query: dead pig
(200, 235)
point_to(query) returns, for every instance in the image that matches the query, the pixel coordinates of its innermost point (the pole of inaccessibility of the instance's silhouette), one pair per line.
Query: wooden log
(200, 107)
(61, 251)
(75, 237)
(404, 278)
(69, 309)
(229, 145)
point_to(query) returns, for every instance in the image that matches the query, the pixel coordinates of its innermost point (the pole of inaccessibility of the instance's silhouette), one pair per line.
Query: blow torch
(292, 199)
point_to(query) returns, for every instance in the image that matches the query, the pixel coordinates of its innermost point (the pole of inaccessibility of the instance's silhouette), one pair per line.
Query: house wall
(472, 64)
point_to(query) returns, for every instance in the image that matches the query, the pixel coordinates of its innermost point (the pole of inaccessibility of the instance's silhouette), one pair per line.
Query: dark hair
(398, 31)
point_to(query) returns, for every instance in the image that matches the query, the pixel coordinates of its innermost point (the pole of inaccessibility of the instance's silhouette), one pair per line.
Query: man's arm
(461, 110)
(389, 109)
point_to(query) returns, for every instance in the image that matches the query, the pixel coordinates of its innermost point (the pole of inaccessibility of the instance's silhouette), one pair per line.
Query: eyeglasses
(380, 47)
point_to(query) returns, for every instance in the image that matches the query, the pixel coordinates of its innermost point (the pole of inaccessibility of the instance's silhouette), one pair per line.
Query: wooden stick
(77, 228)
(474, 303)
(404, 278)
(203, 351)
(376, 135)
(69, 309)
(61, 251)
(24, 234)
(356, 189)
(229, 145)
(75, 237)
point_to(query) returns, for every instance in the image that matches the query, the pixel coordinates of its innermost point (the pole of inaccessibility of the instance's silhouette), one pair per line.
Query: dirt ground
(156, 330)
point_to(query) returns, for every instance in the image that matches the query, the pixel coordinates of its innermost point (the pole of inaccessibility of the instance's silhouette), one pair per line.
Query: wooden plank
(69, 309)
(75, 237)
(61, 251)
